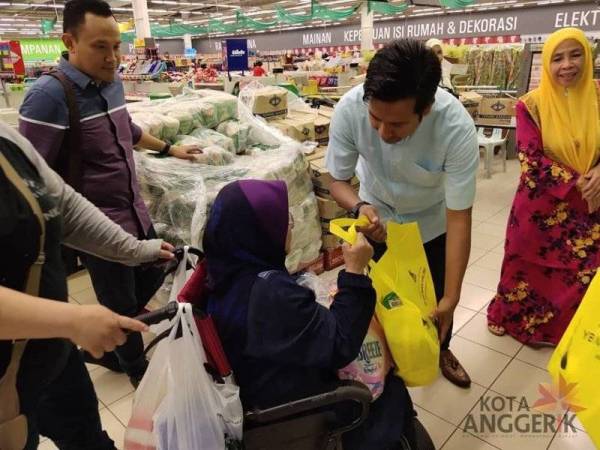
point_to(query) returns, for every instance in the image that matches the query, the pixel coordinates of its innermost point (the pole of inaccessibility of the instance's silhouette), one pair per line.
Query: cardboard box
(496, 111)
(317, 266)
(330, 241)
(319, 153)
(470, 97)
(329, 209)
(333, 257)
(270, 102)
(473, 111)
(325, 111)
(471, 102)
(322, 130)
(299, 129)
(322, 179)
(319, 122)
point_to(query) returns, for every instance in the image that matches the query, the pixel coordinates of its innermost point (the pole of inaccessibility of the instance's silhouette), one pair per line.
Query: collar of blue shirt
(77, 76)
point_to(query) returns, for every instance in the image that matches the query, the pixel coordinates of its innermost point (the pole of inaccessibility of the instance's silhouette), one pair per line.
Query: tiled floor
(499, 366)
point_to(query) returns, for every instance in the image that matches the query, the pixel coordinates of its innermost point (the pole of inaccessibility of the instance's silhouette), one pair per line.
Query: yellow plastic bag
(405, 299)
(575, 363)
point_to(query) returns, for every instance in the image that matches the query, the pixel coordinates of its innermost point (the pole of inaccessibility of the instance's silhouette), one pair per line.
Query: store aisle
(499, 366)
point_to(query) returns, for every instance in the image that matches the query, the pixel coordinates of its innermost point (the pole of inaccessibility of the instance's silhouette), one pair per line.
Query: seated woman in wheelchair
(281, 343)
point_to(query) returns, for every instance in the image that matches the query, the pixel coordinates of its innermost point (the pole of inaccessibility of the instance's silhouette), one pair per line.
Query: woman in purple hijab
(281, 343)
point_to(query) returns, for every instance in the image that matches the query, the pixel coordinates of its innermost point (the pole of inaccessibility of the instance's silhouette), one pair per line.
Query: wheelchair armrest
(346, 390)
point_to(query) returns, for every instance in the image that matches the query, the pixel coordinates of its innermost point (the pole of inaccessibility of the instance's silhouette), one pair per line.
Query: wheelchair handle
(346, 391)
(171, 266)
(153, 317)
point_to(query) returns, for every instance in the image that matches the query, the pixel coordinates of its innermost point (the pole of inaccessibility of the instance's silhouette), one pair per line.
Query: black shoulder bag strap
(69, 162)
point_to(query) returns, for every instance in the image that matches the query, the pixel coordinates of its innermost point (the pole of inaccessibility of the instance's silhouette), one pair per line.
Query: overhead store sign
(237, 54)
(511, 22)
(41, 49)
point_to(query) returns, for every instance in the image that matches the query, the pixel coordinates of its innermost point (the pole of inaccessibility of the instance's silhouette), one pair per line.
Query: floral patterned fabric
(552, 245)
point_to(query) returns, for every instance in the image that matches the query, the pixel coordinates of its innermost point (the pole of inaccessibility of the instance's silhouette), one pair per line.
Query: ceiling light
(171, 2)
(204, 13)
(508, 2)
(33, 5)
(336, 2)
(195, 22)
(293, 8)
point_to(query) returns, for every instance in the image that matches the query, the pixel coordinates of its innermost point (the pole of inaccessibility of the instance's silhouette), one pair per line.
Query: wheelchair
(305, 424)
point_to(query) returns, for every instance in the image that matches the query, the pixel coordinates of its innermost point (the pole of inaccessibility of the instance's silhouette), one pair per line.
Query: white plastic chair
(488, 145)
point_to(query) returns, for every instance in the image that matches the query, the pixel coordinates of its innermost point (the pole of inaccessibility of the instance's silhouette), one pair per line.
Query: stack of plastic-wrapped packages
(235, 145)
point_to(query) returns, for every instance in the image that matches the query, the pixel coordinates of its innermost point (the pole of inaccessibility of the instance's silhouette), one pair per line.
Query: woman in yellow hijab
(552, 245)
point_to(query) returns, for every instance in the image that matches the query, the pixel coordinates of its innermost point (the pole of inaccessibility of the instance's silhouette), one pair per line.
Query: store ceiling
(22, 17)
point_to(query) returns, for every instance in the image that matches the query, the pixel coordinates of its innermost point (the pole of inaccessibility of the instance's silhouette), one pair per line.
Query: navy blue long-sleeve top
(281, 343)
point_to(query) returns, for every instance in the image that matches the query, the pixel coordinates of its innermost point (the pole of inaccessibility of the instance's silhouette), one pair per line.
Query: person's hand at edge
(376, 230)
(97, 329)
(357, 256)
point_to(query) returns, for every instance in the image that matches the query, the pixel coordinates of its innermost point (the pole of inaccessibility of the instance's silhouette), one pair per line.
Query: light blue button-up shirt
(413, 180)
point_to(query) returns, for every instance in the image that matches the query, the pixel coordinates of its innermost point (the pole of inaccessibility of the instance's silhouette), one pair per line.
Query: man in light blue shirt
(414, 148)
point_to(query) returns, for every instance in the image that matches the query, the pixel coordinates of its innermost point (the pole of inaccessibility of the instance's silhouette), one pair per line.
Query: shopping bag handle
(345, 228)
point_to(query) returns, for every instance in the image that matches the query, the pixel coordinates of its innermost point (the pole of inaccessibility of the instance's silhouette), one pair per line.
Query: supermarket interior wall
(513, 22)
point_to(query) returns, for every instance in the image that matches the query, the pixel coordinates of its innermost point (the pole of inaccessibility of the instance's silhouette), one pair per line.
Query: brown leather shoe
(453, 370)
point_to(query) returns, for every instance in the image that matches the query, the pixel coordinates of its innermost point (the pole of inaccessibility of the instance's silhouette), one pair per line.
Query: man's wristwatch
(165, 151)
(355, 211)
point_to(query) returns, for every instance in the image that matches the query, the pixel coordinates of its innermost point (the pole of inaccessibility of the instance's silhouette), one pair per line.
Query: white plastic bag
(149, 395)
(187, 409)
(199, 414)
(182, 274)
(151, 392)
(324, 291)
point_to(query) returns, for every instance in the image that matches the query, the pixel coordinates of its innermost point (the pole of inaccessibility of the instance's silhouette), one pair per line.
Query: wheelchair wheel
(422, 438)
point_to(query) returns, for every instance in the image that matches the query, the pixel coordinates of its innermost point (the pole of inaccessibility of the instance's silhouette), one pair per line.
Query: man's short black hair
(75, 11)
(404, 69)
(259, 63)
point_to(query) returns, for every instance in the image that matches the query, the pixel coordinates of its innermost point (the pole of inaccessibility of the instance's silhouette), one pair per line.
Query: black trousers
(126, 291)
(436, 258)
(58, 397)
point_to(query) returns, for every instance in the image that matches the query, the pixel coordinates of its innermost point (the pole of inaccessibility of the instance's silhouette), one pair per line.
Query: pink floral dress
(552, 245)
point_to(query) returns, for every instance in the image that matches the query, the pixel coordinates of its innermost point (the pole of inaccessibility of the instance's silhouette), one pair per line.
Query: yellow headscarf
(569, 120)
